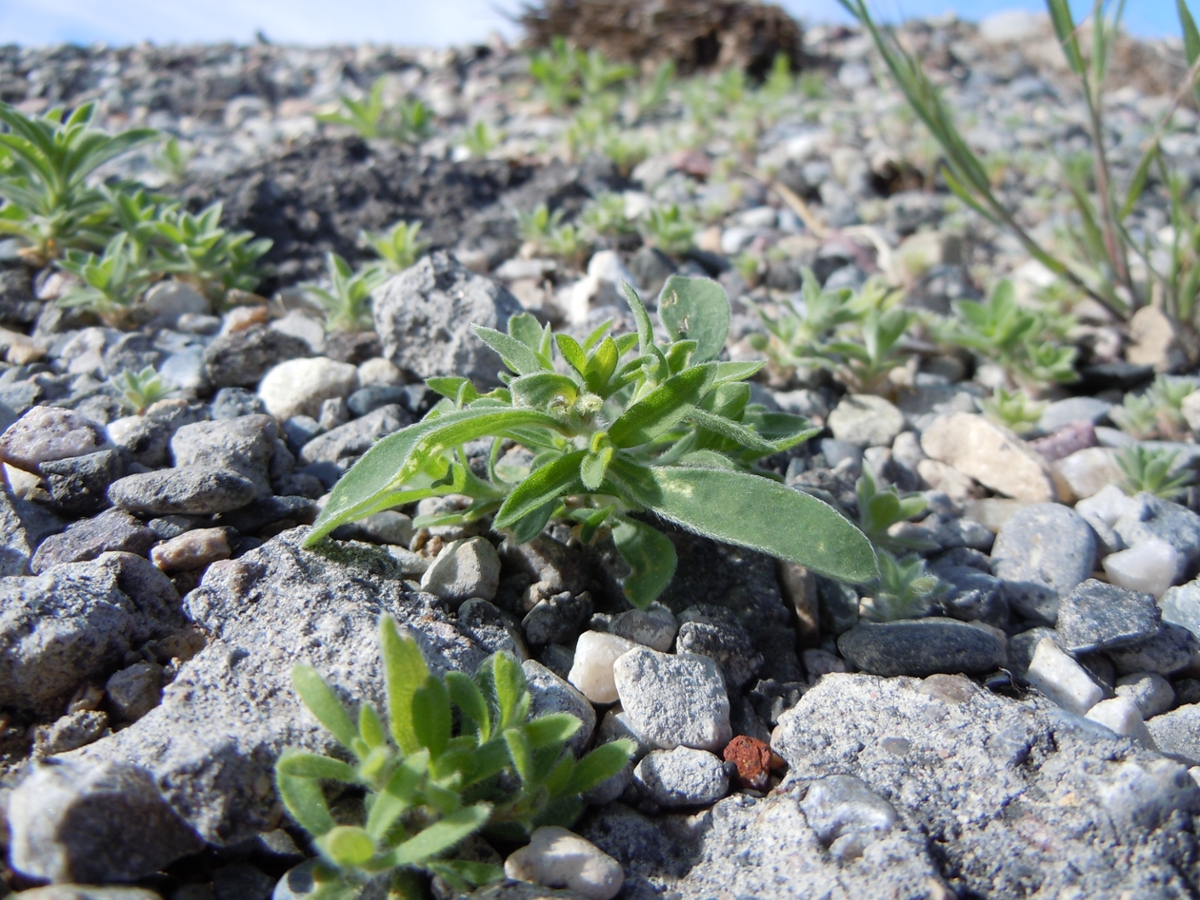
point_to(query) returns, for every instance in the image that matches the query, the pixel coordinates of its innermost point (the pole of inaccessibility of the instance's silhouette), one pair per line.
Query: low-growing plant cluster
(457, 755)
(408, 120)
(621, 431)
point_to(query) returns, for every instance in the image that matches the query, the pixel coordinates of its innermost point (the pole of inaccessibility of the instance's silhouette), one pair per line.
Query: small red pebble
(753, 760)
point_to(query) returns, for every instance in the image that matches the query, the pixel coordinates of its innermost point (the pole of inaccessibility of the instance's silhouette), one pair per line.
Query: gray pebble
(78, 485)
(557, 619)
(682, 777)
(975, 596)
(1153, 517)
(550, 693)
(232, 402)
(1099, 616)
(356, 437)
(113, 529)
(654, 627)
(727, 643)
(674, 700)
(846, 815)
(464, 569)
(1181, 605)
(244, 446)
(46, 433)
(1178, 732)
(134, 691)
(240, 359)
(1042, 545)
(186, 489)
(1150, 692)
(922, 647)
(1169, 650)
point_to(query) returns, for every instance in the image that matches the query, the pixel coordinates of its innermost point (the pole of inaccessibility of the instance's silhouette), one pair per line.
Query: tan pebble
(191, 550)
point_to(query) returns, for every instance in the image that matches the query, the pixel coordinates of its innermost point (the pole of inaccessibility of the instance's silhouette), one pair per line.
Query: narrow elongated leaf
(645, 330)
(319, 697)
(551, 729)
(521, 359)
(441, 836)
(542, 486)
(695, 309)
(375, 481)
(599, 765)
(601, 365)
(370, 727)
(738, 371)
(462, 874)
(509, 682)
(311, 765)
(469, 699)
(574, 354)
(650, 556)
(521, 753)
(763, 515)
(432, 716)
(594, 466)
(1191, 39)
(305, 801)
(532, 524)
(404, 672)
(734, 431)
(663, 408)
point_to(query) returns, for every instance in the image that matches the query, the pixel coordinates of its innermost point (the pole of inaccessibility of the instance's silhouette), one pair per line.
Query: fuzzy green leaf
(348, 846)
(542, 389)
(469, 699)
(552, 728)
(520, 752)
(594, 467)
(311, 765)
(404, 672)
(516, 355)
(663, 408)
(508, 681)
(441, 836)
(651, 559)
(543, 485)
(319, 697)
(304, 801)
(432, 716)
(755, 512)
(598, 766)
(695, 309)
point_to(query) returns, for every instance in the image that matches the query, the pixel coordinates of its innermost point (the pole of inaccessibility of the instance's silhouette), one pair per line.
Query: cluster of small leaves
(604, 216)
(1021, 341)
(851, 334)
(457, 755)
(1158, 412)
(1013, 409)
(172, 159)
(905, 589)
(45, 166)
(1153, 470)
(409, 121)
(567, 75)
(141, 390)
(398, 247)
(621, 430)
(546, 233)
(347, 300)
(880, 509)
(669, 228)
(481, 139)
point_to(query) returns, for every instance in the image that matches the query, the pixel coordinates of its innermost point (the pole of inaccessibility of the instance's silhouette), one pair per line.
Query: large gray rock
(1043, 551)
(190, 490)
(87, 823)
(424, 316)
(211, 743)
(976, 774)
(243, 445)
(77, 621)
(1099, 616)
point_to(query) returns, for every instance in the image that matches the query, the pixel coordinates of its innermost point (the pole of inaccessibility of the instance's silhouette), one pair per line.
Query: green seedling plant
(1102, 237)
(556, 71)
(141, 390)
(538, 226)
(1153, 470)
(879, 510)
(45, 167)
(1156, 413)
(1013, 409)
(1137, 416)
(649, 97)
(398, 247)
(110, 284)
(457, 756)
(797, 335)
(865, 362)
(347, 300)
(604, 216)
(624, 150)
(172, 158)
(670, 229)
(410, 121)
(1017, 339)
(481, 139)
(905, 589)
(193, 247)
(566, 242)
(623, 431)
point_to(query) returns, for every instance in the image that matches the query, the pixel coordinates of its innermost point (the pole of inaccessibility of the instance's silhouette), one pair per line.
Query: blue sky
(397, 21)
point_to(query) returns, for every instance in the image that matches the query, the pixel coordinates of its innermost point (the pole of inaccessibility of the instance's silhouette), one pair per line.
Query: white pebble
(592, 671)
(1149, 566)
(1062, 679)
(1088, 471)
(557, 858)
(1121, 715)
(298, 387)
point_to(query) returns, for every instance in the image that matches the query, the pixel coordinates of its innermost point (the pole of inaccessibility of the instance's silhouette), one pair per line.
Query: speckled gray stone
(674, 699)
(1099, 616)
(922, 647)
(190, 490)
(1042, 546)
(682, 777)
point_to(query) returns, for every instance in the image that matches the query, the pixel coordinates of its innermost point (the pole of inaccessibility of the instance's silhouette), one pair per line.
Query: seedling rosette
(622, 431)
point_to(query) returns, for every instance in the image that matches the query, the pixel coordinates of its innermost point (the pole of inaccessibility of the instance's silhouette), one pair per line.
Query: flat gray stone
(1071, 410)
(682, 777)
(14, 541)
(1169, 650)
(424, 316)
(866, 420)
(1099, 616)
(78, 485)
(72, 821)
(1150, 693)
(1178, 732)
(241, 358)
(188, 490)
(355, 437)
(46, 433)
(922, 647)
(674, 699)
(1181, 605)
(113, 530)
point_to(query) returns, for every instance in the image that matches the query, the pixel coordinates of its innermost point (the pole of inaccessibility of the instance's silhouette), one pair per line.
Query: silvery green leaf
(651, 558)
(441, 836)
(695, 309)
(319, 697)
(404, 671)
